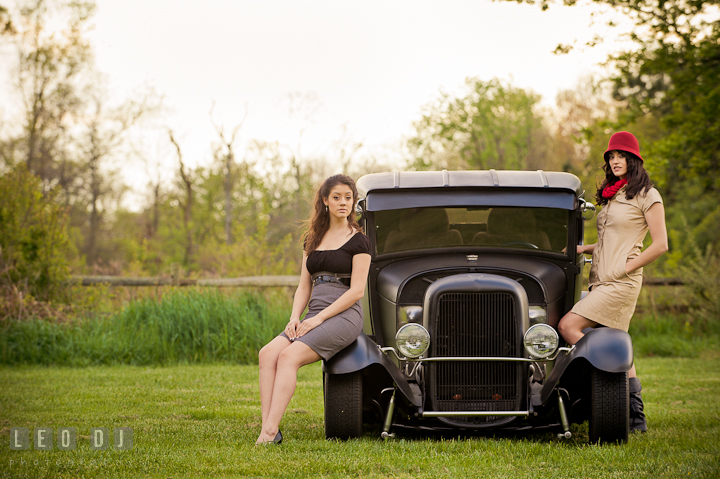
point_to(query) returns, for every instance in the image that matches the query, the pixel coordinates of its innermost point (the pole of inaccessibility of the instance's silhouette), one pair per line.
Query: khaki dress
(621, 228)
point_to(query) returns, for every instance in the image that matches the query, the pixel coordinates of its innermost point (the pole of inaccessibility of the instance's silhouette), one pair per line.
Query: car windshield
(508, 227)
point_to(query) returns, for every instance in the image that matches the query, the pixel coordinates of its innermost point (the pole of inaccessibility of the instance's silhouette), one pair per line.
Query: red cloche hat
(624, 141)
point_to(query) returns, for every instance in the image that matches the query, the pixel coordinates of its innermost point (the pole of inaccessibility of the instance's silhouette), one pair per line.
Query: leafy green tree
(673, 75)
(667, 86)
(70, 132)
(494, 125)
(33, 239)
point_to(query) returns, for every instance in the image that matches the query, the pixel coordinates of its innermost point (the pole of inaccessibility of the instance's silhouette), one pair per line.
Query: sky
(365, 68)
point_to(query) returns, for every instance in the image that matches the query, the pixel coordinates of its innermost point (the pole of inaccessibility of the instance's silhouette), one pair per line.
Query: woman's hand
(300, 302)
(583, 249)
(291, 329)
(308, 325)
(586, 248)
(360, 268)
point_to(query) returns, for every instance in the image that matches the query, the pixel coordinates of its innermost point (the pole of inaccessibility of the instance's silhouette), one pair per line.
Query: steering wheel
(520, 243)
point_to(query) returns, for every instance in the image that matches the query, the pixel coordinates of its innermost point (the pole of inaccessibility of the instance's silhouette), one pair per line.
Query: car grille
(475, 325)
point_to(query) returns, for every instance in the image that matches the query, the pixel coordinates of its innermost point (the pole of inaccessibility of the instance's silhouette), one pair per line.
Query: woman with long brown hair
(631, 208)
(336, 261)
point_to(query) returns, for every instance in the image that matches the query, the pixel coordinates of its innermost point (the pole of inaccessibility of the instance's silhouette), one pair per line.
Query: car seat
(422, 228)
(508, 225)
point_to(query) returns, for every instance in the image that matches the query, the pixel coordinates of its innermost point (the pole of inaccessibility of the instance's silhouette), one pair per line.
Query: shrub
(702, 276)
(33, 244)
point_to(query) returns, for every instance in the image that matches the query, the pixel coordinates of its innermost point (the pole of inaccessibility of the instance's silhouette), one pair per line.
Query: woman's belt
(328, 277)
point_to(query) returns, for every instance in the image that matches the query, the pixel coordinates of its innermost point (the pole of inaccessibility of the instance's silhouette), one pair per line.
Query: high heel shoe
(278, 439)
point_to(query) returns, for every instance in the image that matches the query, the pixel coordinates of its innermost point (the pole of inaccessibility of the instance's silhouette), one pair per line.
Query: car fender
(607, 349)
(363, 353)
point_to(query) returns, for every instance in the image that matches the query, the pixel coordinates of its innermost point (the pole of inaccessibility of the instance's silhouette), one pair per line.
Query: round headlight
(541, 341)
(412, 340)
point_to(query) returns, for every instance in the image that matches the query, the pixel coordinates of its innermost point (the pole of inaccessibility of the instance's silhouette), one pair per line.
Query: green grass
(673, 335)
(202, 421)
(211, 326)
(181, 326)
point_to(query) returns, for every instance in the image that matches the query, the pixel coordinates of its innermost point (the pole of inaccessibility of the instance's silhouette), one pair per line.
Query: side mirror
(359, 210)
(586, 206)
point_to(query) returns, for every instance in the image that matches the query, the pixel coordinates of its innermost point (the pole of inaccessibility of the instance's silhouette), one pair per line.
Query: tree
(668, 87)
(346, 148)
(225, 153)
(50, 79)
(155, 184)
(70, 131)
(495, 125)
(580, 129)
(673, 76)
(33, 237)
(102, 134)
(186, 176)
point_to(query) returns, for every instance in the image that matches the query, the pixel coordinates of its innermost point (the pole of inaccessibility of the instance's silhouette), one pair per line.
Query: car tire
(343, 405)
(609, 407)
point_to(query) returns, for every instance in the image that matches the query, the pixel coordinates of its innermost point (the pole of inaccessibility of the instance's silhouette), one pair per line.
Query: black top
(338, 260)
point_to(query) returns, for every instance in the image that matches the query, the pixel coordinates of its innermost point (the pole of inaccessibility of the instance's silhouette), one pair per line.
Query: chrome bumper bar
(390, 349)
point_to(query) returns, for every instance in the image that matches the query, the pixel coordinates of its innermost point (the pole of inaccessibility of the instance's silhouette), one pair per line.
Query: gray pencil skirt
(335, 333)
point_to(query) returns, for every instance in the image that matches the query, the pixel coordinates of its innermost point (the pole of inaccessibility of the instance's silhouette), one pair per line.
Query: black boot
(637, 416)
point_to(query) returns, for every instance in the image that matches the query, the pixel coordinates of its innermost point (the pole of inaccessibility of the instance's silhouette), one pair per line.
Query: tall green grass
(673, 335)
(669, 322)
(183, 326)
(211, 325)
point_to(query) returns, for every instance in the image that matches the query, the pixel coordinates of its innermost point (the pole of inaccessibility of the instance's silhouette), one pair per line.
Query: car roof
(491, 179)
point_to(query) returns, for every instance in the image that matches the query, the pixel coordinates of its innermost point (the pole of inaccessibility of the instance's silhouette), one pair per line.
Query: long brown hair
(637, 176)
(319, 221)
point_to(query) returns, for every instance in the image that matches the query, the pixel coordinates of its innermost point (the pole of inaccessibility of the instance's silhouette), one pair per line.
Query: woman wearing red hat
(631, 208)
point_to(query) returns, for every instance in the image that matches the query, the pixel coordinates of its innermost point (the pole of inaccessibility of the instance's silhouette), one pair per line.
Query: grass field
(202, 421)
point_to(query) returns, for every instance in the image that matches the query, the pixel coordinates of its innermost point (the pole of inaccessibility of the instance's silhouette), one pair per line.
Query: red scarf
(609, 191)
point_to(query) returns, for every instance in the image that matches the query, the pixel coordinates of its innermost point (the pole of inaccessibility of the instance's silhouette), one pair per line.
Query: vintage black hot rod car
(471, 272)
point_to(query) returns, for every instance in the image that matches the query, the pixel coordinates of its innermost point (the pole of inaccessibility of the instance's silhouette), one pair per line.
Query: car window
(511, 227)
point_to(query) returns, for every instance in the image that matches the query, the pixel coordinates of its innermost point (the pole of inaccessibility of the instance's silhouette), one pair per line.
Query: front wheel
(343, 405)
(610, 405)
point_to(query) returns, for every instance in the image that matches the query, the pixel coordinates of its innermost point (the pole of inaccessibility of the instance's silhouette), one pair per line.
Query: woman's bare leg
(571, 327)
(267, 365)
(289, 361)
